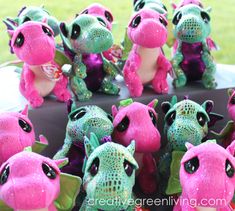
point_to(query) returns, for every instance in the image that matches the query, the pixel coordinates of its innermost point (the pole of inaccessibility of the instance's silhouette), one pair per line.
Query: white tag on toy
(51, 71)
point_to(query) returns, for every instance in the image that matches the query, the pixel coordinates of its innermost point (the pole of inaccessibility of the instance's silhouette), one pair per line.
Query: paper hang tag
(51, 71)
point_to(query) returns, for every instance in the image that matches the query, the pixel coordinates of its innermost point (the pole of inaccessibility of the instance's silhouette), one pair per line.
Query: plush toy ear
(230, 92)
(62, 162)
(174, 6)
(153, 104)
(174, 100)
(231, 148)
(74, 106)
(131, 147)
(114, 110)
(189, 145)
(166, 106)
(208, 106)
(25, 111)
(10, 23)
(91, 144)
(63, 29)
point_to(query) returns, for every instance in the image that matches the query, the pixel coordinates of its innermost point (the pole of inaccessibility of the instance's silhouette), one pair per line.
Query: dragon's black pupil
(153, 118)
(232, 101)
(49, 171)
(135, 23)
(123, 125)
(110, 117)
(4, 175)
(19, 40)
(85, 12)
(139, 6)
(177, 18)
(108, 16)
(94, 167)
(128, 167)
(101, 21)
(46, 31)
(205, 17)
(26, 19)
(229, 169)
(25, 125)
(76, 30)
(171, 118)
(192, 165)
(163, 21)
(76, 115)
(201, 118)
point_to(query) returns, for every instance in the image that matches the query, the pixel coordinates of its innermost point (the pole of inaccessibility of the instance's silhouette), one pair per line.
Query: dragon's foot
(35, 100)
(160, 86)
(110, 88)
(180, 81)
(209, 81)
(63, 96)
(84, 96)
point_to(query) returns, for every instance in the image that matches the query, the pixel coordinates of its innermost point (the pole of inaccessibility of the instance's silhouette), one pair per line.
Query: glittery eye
(232, 101)
(177, 18)
(49, 171)
(47, 31)
(153, 118)
(171, 118)
(192, 165)
(19, 40)
(110, 117)
(229, 169)
(206, 18)
(163, 21)
(25, 125)
(26, 19)
(139, 6)
(4, 175)
(123, 125)
(85, 12)
(76, 30)
(108, 16)
(128, 167)
(77, 114)
(101, 21)
(136, 21)
(201, 118)
(94, 167)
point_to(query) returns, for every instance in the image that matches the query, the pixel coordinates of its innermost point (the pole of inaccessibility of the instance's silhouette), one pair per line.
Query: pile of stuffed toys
(104, 156)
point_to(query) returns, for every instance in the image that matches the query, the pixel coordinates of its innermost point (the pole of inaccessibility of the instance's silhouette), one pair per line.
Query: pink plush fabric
(186, 2)
(34, 44)
(143, 129)
(14, 135)
(27, 187)
(212, 182)
(147, 30)
(102, 12)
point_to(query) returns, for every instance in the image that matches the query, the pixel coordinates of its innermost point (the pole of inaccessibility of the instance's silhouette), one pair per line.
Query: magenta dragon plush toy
(136, 121)
(207, 178)
(29, 181)
(34, 44)
(16, 134)
(146, 63)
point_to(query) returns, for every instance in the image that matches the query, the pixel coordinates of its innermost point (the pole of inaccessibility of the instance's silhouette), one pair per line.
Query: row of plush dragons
(109, 151)
(88, 60)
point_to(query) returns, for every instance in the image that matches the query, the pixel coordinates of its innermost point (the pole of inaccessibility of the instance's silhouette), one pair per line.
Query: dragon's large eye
(94, 167)
(46, 31)
(26, 19)
(232, 101)
(229, 169)
(201, 118)
(192, 165)
(25, 125)
(171, 118)
(139, 6)
(4, 175)
(153, 118)
(123, 125)
(163, 21)
(136, 21)
(108, 16)
(110, 117)
(19, 40)
(101, 21)
(76, 30)
(206, 18)
(78, 114)
(85, 12)
(128, 167)
(177, 18)
(49, 171)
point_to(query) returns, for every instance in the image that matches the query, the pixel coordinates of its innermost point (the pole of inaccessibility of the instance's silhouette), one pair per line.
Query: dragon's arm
(110, 68)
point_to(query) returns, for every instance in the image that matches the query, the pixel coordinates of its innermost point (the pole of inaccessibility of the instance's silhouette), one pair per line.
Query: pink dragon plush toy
(186, 2)
(146, 63)
(34, 44)
(29, 181)
(16, 134)
(207, 178)
(136, 121)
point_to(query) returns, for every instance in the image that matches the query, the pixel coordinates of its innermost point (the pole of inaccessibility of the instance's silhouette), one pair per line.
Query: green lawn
(223, 20)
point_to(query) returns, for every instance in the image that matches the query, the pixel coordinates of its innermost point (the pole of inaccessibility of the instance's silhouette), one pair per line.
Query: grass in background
(223, 21)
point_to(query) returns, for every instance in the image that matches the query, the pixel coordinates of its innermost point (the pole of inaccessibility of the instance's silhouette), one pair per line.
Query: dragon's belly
(95, 72)
(192, 65)
(42, 84)
(148, 67)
